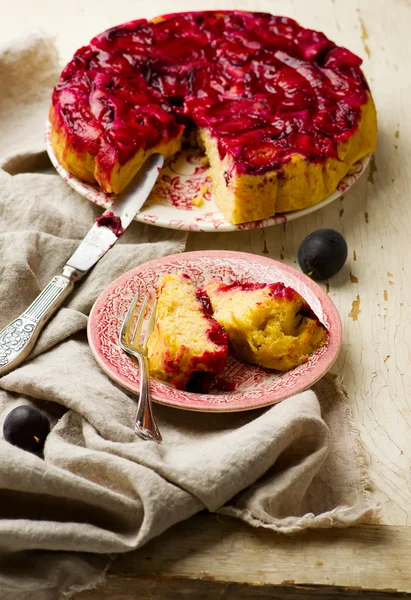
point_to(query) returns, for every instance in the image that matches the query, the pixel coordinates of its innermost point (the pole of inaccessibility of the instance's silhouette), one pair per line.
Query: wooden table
(210, 557)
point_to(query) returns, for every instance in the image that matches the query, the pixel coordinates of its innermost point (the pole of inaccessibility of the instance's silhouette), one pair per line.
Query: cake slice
(269, 325)
(187, 347)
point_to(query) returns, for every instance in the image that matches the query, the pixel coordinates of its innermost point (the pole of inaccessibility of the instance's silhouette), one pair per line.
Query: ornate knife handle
(18, 338)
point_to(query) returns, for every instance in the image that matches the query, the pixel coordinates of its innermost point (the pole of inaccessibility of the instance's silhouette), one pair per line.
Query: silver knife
(18, 338)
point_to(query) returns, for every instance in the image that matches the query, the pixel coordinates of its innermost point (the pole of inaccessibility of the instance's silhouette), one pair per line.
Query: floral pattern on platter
(254, 387)
(183, 179)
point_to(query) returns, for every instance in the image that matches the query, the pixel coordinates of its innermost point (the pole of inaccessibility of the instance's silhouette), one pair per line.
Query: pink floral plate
(254, 387)
(181, 198)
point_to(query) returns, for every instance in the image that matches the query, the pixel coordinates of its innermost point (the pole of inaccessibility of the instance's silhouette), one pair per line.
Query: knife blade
(113, 222)
(18, 338)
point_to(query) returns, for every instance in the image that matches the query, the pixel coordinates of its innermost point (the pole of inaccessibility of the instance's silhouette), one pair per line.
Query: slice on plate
(188, 347)
(269, 325)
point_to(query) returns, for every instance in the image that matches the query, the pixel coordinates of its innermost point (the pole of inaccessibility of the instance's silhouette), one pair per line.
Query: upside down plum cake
(281, 111)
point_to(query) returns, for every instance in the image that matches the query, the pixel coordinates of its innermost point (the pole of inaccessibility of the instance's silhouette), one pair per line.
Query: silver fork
(145, 425)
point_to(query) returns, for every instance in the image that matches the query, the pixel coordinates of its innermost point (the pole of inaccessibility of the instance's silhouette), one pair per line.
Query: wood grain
(157, 588)
(221, 550)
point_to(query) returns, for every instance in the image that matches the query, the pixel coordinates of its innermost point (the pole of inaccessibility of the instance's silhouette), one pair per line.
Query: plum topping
(233, 72)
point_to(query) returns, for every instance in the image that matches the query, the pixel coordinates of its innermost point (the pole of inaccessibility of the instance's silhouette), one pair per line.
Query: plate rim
(81, 187)
(328, 306)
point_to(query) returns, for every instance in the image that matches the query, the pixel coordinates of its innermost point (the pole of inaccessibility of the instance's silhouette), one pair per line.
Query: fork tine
(150, 326)
(139, 323)
(127, 320)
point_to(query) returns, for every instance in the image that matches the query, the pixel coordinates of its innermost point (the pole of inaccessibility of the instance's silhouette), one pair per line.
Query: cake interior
(270, 325)
(187, 347)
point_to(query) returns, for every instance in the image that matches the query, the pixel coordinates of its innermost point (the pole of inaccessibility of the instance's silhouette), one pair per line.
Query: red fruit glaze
(264, 87)
(277, 290)
(203, 368)
(203, 297)
(216, 333)
(214, 362)
(111, 221)
(210, 362)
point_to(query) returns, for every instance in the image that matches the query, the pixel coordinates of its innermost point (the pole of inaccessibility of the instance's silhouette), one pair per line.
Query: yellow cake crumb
(268, 326)
(199, 199)
(181, 344)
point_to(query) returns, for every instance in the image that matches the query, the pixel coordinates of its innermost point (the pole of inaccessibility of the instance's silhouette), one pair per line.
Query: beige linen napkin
(100, 489)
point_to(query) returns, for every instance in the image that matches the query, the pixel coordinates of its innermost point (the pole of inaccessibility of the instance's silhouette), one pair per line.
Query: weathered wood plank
(209, 558)
(215, 549)
(200, 589)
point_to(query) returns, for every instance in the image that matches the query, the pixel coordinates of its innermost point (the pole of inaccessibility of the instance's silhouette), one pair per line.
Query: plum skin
(322, 254)
(27, 428)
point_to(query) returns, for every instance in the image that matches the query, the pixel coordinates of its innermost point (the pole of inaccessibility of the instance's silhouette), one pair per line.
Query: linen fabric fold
(100, 489)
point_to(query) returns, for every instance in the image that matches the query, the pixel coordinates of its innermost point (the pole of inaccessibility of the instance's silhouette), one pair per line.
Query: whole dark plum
(322, 253)
(27, 428)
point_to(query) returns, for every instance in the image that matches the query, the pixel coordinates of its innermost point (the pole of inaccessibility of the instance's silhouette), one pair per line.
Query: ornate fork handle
(19, 337)
(146, 426)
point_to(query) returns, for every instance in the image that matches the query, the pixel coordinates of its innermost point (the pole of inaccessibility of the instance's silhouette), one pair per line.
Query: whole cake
(187, 347)
(282, 112)
(270, 325)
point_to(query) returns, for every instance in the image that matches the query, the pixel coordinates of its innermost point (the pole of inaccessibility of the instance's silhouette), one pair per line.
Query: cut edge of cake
(241, 198)
(261, 332)
(174, 356)
(298, 184)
